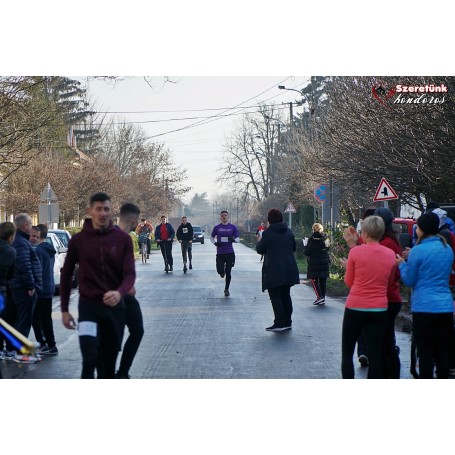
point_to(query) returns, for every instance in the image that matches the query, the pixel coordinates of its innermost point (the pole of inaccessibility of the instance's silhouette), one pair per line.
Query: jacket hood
(48, 248)
(442, 214)
(280, 228)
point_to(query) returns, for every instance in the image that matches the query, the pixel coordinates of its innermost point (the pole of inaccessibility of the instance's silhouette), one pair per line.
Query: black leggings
(373, 323)
(224, 264)
(431, 335)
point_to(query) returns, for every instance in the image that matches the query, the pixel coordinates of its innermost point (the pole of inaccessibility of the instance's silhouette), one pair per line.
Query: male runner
(223, 236)
(185, 237)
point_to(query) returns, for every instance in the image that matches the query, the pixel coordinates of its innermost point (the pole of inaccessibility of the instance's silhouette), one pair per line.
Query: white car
(59, 256)
(65, 237)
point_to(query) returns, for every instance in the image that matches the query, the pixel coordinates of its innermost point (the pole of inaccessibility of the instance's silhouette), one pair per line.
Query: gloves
(231, 239)
(218, 244)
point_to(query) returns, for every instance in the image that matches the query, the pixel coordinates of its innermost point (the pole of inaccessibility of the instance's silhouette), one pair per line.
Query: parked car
(65, 237)
(60, 256)
(198, 234)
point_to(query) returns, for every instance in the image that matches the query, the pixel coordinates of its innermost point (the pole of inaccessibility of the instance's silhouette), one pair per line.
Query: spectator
(317, 250)
(7, 265)
(366, 304)
(24, 285)
(427, 271)
(279, 270)
(42, 315)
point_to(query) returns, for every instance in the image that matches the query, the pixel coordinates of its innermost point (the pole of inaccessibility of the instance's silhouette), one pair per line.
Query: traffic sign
(319, 193)
(290, 208)
(385, 192)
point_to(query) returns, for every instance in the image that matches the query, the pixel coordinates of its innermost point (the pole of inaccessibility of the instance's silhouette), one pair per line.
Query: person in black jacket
(317, 250)
(279, 269)
(185, 237)
(42, 324)
(7, 267)
(25, 283)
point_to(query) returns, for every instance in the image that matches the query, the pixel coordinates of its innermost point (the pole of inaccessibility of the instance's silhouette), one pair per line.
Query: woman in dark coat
(317, 250)
(279, 270)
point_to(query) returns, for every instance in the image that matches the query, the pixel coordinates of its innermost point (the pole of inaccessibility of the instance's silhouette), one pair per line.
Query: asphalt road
(193, 331)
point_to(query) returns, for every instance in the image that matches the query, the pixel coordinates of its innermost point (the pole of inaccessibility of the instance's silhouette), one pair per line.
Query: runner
(223, 236)
(185, 237)
(164, 236)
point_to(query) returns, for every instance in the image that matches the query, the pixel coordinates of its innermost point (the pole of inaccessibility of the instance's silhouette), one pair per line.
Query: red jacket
(106, 263)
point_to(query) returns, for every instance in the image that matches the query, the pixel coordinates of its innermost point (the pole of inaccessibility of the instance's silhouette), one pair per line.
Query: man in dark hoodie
(106, 274)
(185, 237)
(42, 315)
(24, 284)
(279, 270)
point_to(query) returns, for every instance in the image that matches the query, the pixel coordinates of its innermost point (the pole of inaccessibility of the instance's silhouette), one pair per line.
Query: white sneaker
(320, 301)
(23, 358)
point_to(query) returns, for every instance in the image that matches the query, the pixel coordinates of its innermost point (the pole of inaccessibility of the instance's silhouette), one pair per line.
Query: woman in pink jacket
(370, 268)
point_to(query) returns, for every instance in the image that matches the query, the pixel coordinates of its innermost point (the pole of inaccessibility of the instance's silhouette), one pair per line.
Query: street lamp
(282, 87)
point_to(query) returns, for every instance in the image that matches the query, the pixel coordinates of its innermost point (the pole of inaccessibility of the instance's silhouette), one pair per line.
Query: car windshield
(63, 238)
(197, 229)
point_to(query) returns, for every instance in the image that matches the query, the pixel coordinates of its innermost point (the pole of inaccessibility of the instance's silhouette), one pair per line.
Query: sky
(214, 103)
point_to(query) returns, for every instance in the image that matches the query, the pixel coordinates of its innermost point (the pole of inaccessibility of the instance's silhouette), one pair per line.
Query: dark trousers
(431, 335)
(166, 251)
(8, 315)
(134, 322)
(390, 356)
(99, 351)
(282, 305)
(373, 323)
(24, 305)
(224, 264)
(187, 249)
(42, 322)
(319, 286)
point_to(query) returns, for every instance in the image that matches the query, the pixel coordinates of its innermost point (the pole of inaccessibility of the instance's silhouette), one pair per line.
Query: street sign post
(385, 192)
(290, 209)
(48, 213)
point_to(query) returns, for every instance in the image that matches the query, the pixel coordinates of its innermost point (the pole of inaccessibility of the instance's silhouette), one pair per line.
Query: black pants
(100, 349)
(134, 322)
(166, 251)
(42, 322)
(224, 264)
(390, 356)
(8, 315)
(319, 286)
(282, 305)
(187, 248)
(431, 335)
(24, 305)
(373, 323)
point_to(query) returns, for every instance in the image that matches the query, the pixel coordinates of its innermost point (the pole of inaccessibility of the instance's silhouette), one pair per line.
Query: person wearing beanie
(279, 269)
(390, 352)
(427, 272)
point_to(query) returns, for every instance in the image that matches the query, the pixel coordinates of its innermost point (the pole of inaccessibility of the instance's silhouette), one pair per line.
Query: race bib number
(224, 239)
(87, 328)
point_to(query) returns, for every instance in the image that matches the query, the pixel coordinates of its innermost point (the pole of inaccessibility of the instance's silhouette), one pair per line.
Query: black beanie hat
(429, 223)
(432, 205)
(275, 216)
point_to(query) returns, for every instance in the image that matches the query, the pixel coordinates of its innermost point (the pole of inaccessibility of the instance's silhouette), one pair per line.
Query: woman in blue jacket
(427, 271)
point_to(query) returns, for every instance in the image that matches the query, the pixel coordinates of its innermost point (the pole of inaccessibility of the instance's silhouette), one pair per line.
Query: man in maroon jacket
(106, 275)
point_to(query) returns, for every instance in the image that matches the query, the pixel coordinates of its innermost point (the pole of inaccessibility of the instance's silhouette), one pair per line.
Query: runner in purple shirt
(223, 236)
